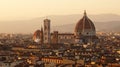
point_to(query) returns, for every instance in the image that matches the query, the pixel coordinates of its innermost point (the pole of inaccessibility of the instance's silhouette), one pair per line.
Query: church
(84, 33)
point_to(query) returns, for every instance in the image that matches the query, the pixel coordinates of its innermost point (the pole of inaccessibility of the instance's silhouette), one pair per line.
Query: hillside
(63, 23)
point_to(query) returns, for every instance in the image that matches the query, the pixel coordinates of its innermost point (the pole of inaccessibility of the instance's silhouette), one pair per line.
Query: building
(54, 37)
(84, 33)
(64, 38)
(47, 37)
(38, 36)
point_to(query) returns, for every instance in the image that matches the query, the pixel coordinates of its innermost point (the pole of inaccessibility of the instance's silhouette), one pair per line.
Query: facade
(84, 33)
(62, 38)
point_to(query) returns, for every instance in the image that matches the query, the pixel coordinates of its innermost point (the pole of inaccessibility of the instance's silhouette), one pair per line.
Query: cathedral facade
(84, 33)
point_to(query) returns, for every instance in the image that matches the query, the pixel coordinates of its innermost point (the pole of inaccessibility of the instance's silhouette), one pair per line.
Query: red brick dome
(84, 24)
(37, 35)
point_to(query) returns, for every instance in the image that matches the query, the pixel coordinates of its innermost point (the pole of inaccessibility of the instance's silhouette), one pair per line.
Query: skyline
(62, 23)
(59, 33)
(28, 9)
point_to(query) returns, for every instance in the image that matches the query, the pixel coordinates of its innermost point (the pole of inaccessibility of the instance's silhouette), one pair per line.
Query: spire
(85, 14)
(41, 28)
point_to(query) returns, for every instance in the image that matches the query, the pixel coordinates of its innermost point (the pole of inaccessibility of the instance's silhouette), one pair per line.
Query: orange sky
(27, 9)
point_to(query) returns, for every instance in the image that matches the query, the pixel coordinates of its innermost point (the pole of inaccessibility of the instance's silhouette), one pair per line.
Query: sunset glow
(26, 9)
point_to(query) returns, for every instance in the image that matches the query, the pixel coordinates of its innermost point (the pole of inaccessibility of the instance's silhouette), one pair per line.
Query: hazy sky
(26, 9)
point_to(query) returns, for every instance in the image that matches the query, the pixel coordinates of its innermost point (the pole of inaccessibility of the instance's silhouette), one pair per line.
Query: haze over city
(59, 33)
(20, 12)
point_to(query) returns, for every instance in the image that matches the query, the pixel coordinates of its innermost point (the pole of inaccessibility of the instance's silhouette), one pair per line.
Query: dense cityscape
(83, 48)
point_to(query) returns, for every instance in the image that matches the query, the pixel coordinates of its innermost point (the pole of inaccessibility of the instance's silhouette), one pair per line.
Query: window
(59, 37)
(45, 38)
(65, 37)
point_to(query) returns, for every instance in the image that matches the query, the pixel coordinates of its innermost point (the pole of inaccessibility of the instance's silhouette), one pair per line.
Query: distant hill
(113, 26)
(63, 23)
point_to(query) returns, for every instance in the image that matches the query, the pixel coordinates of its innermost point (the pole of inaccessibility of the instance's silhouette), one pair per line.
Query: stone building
(38, 36)
(62, 38)
(47, 31)
(84, 33)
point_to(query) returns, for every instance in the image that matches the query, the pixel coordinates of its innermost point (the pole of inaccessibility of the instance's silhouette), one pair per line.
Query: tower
(55, 37)
(41, 34)
(47, 31)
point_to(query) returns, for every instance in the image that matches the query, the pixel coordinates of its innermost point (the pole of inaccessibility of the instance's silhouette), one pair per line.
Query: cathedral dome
(36, 36)
(84, 24)
(85, 30)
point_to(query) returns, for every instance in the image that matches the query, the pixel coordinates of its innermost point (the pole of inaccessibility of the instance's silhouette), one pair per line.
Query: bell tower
(47, 31)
